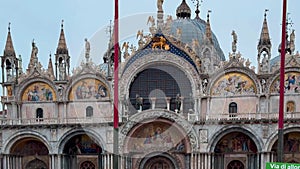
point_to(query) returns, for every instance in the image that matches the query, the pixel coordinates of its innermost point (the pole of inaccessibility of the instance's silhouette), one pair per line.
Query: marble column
(168, 99)
(209, 161)
(192, 161)
(153, 101)
(181, 104)
(104, 161)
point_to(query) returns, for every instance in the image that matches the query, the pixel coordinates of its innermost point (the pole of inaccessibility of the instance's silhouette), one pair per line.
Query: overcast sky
(41, 19)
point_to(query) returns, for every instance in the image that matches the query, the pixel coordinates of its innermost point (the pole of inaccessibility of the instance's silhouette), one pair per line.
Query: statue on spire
(159, 5)
(34, 53)
(234, 36)
(87, 49)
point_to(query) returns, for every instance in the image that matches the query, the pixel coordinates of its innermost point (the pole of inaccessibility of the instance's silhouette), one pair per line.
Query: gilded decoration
(160, 42)
(88, 89)
(291, 83)
(39, 91)
(233, 84)
(156, 136)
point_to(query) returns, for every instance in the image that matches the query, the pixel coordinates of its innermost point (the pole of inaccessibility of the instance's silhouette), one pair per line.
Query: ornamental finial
(62, 24)
(9, 26)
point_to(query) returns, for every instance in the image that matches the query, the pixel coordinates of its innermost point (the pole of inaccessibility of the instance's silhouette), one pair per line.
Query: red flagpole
(116, 88)
(116, 65)
(282, 79)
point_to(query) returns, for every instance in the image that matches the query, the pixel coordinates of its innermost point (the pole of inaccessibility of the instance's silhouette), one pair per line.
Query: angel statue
(87, 49)
(152, 28)
(169, 19)
(151, 20)
(125, 47)
(140, 35)
(195, 44)
(179, 33)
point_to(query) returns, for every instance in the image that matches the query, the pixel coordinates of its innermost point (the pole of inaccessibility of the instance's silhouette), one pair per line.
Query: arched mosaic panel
(236, 142)
(291, 83)
(233, 84)
(87, 89)
(29, 146)
(291, 144)
(39, 91)
(82, 144)
(157, 136)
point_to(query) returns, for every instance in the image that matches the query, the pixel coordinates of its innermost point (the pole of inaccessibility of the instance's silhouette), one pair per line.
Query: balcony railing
(192, 117)
(250, 116)
(51, 121)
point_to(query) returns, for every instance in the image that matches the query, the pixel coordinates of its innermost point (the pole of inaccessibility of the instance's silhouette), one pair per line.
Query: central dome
(193, 29)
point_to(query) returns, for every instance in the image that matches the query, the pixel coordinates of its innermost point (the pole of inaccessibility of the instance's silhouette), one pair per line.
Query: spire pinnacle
(208, 28)
(265, 41)
(266, 10)
(9, 47)
(50, 67)
(62, 24)
(62, 45)
(9, 26)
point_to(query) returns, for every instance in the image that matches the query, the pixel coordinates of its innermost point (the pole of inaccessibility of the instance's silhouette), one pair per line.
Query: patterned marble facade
(182, 103)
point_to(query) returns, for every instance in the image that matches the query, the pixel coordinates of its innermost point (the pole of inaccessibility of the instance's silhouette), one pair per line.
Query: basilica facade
(182, 104)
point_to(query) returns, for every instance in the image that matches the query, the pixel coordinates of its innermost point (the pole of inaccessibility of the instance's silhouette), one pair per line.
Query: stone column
(19, 116)
(8, 162)
(268, 103)
(64, 116)
(50, 162)
(191, 164)
(20, 162)
(198, 160)
(153, 101)
(168, 99)
(181, 104)
(1, 161)
(5, 162)
(209, 161)
(198, 107)
(104, 161)
(208, 107)
(59, 161)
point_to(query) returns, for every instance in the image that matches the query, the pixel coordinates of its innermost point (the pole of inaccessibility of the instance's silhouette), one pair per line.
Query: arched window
(39, 114)
(89, 111)
(290, 106)
(232, 109)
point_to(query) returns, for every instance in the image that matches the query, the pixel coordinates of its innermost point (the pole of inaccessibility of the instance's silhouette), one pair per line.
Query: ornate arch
(150, 115)
(274, 136)
(11, 141)
(73, 132)
(229, 129)
(276, 76)
(159, 58)
(99, 79)
(26, 84)
(242, 71)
